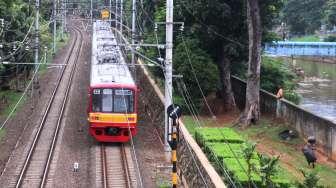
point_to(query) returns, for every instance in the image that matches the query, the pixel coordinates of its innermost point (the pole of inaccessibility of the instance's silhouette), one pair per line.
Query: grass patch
(12, 98)
(308, 38)
(2, 133)
(225, 147)
(189, 124)
(265, 134)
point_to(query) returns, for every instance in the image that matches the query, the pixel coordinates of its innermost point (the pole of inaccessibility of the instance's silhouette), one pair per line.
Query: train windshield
(113, 100)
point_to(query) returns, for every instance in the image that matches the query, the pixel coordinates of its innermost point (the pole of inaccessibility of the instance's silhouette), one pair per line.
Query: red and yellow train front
(113, 112)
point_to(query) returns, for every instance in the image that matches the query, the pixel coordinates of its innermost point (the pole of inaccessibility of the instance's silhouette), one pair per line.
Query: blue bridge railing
(285, 48)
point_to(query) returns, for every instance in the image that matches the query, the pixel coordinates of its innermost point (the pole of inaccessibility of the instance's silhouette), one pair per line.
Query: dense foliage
(18, 17)
(304, 17)
(276, 73)
(307, 17)
(213, 30)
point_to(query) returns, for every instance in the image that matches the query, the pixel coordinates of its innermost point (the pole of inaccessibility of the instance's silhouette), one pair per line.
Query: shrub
(274, 73)
(218, 135)
(227, 149)
(331, 38)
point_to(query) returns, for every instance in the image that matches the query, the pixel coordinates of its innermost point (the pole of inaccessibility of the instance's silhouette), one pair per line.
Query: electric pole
(91, 13)
(62, 16)
(37, 32)
(133, 30)
(121, 16)
(115, 15)
(168, 67)
(110, 10)
(54, 30)
(65, 15)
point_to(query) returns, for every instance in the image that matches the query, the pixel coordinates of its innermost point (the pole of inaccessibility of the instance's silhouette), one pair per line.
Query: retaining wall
(306, 123)
(194, 168)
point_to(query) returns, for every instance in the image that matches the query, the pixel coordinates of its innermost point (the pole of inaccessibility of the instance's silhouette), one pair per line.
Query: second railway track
(34, 171)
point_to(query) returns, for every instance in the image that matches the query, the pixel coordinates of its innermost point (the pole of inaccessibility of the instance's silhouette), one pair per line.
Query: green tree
(19, 17)
(200, 63)
(221, 27)
(304, 17)
(330, 14)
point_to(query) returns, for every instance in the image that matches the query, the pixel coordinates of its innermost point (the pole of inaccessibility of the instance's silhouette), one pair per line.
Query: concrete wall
(306, 123)
(194, 168)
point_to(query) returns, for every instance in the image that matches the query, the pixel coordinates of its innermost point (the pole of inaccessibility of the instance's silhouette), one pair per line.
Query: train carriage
(113, 94)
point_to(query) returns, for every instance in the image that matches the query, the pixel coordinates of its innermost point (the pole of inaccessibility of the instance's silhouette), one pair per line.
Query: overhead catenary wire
(20, 43)
(188, 146)
(129, 128)
(211, 112)
(219, 162)
(20, 99)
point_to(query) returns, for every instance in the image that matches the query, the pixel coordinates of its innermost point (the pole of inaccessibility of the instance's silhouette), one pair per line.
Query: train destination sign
(105, 14)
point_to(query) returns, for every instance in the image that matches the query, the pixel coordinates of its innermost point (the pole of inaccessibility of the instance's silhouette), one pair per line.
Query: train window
(96, 100)
(109, 100)
(107, 104)
(123, 101)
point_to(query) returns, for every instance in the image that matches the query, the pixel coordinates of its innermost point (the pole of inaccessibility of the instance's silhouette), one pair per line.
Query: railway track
(117, 168)
(35, 168)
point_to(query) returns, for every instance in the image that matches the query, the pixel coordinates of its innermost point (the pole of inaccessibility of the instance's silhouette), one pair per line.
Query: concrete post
(169, 64)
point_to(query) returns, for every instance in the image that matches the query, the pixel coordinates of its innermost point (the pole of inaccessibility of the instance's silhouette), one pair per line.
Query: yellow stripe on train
(113, 118)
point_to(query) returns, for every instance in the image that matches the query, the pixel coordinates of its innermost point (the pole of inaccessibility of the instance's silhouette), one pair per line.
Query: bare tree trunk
(251, 113)
(225, 76)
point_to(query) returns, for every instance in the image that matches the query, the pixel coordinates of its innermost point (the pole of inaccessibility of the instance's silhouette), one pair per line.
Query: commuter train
(113, 94)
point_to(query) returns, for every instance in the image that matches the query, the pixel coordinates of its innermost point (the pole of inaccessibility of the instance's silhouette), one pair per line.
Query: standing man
(279, 96)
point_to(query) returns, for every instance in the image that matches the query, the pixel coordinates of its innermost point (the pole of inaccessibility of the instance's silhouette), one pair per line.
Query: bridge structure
(288, 48)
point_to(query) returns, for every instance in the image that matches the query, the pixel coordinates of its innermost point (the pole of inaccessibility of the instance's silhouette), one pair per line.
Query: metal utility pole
(37, 32)
(62, 16)
(65, 15)
(54, 30)
(121, 16)
(133, 29)
(116, 14)
(91, 13)
(110, 9)
(168, 67)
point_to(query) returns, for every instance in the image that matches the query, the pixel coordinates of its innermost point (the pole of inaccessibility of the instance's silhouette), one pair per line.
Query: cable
(219, 162)
(194, 160)
(195, 77)
(217, 124)
(126, 115)
(19, 101)
(22, 42)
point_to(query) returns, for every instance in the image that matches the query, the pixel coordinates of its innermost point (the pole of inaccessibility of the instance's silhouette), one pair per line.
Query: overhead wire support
(37, 42)
(133, 29)
(54, 26)
(168, 68)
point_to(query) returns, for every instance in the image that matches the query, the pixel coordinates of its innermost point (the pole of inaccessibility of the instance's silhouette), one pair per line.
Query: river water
(318, 88)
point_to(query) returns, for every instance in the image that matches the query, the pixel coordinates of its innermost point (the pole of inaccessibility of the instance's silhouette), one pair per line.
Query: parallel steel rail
(119, 164)
(77, 42)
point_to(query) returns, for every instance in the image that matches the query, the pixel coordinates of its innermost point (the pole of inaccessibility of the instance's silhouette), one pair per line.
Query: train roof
(108, 65)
